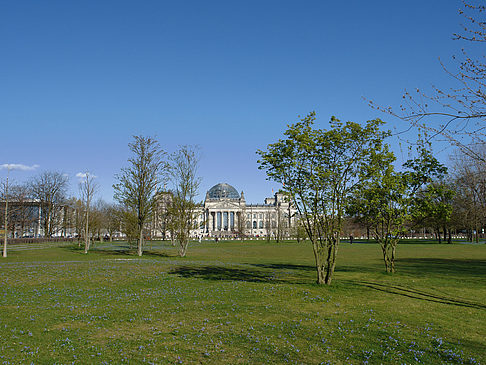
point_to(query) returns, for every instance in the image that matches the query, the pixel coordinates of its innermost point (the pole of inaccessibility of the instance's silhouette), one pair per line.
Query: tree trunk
(183, 249)
(385, 256)
(140, 243)
(449, 238)
(86, 243)
(331, 261)
(318, 260)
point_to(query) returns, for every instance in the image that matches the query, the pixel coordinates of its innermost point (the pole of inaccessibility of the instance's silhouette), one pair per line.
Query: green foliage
(385, 201)
(432, 205)
(382, 202)
(320, 169)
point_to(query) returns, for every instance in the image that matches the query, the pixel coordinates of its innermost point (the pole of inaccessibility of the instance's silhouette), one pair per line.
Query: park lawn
(242, 302)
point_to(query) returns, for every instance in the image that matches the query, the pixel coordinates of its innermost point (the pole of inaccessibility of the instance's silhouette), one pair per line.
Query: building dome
(223, 190)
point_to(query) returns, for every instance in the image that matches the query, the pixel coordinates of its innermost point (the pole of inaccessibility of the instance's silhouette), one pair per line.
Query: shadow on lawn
(236, 274)
(122, 250)
(285, 267)
(419, 294)
(470, 268)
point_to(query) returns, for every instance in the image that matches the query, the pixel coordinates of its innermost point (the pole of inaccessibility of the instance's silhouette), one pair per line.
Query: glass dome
(223, 190)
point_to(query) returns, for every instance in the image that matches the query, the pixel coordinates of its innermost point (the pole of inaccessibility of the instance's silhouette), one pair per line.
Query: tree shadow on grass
(467, 268)
(285, 267)
(419, 294)
(121, 250)
(219, 273)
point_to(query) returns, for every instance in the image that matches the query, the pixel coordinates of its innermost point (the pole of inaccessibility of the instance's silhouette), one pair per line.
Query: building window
(254, 224)
(261, 224)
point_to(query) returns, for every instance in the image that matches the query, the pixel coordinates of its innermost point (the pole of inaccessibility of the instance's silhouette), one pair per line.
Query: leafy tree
(382, 204)
(299, 231)
(320, 169)
(433, 206)
(384, 201)
(138, 183)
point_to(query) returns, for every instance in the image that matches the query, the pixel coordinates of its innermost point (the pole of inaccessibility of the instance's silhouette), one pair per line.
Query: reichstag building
(226, 214)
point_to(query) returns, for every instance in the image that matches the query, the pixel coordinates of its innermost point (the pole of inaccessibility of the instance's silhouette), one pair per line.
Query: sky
(78, 79)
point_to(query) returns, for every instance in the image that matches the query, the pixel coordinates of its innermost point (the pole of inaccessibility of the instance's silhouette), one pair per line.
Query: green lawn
(242, 302)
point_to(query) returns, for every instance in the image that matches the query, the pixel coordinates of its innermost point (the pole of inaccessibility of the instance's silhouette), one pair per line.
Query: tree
(319, 170)
(183, 176)
(22, 211)
(433, 206)
(138, 184)
(383, 202)
(457, 114)
(110, 219)
(87, 189)
(128, 223)
(299, 231)
(241, 224)
(50, 188)
(470, 187)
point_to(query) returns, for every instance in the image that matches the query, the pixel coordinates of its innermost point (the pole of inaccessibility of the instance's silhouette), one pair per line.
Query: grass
(242, 302)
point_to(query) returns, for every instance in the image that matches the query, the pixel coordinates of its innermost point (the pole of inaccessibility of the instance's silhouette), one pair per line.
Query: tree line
(143, 205)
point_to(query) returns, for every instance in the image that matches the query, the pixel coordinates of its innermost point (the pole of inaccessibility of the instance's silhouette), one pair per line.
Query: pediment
(223, 204)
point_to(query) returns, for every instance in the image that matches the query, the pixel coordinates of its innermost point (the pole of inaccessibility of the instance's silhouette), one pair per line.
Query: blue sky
(78, 79)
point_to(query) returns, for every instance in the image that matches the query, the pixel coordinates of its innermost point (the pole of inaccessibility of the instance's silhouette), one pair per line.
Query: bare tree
(162, 218)
(457, 115)
(183, 176)
(128, 223)
(50, 189)
(241, 224)
(87, 189)
(110, 219)
(470, 186)
(138, 184)
(22, 209)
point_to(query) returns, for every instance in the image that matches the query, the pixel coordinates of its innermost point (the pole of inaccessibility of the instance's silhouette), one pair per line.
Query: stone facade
(226, 214)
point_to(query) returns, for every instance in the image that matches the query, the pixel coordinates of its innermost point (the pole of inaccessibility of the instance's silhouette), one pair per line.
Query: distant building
(225, 213)
(26, 218)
